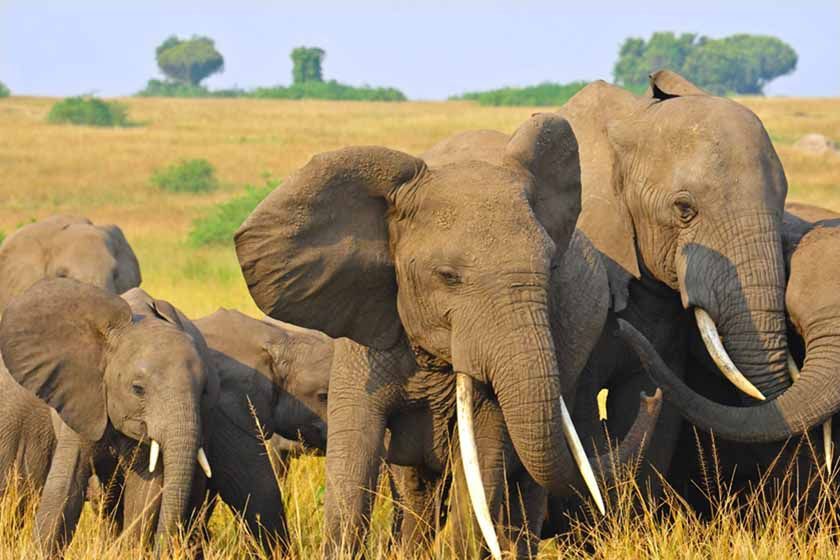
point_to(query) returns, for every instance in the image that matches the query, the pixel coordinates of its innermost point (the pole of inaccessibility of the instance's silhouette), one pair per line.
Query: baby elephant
(115, 371)
(273, 381)
(66, 247)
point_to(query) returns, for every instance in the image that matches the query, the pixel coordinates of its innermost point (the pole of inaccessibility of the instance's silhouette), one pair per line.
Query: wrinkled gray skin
(280, 370)
(66, 247)
(471, 247)
(117, 371)
(812, 255)
(682, 194)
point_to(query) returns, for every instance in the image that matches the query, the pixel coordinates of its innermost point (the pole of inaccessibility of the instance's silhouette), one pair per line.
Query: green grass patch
(187, 176)
(4, 91)
(219, 225)
(545, 94)
(89, 111)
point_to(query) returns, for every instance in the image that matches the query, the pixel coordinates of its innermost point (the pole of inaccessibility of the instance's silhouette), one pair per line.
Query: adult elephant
(67, 247)
(682, 195)
(811, 243)
(470, 245)
(115, 372)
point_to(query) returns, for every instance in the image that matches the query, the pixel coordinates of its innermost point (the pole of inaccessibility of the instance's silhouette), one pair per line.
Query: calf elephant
(273, 380)
(66, 247)
(812, 254)
(116, 371)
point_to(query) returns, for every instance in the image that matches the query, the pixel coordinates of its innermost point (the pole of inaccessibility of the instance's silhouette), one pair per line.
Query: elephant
(67, 247)
(811, 241)
(361, 244)
(682, 195)
(119, 380)
(273, 381)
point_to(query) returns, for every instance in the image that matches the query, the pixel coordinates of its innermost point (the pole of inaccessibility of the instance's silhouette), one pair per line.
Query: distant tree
(4, 91)
(307, 64)
(737, 64)
(189, 61)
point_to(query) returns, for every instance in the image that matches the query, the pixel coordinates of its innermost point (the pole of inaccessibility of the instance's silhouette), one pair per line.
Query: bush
(160, 88)
(89, 111)
(545, 94)
(189, 175)
(219, 225)
(4, 91)
(331, 90)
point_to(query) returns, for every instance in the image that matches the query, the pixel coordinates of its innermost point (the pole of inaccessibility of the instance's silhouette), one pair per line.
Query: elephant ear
(316, 252)
(546, 146)
(128, 269)
(604, 217)
(580, 299)
(55, 340)
(665, 84)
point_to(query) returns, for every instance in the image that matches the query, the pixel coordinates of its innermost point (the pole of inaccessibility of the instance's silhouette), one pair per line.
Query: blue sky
(429, 50)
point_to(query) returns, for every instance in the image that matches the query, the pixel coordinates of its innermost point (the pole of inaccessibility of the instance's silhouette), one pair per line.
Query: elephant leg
(244, 479)
(64, 491)
(418, 509)
(141, 503)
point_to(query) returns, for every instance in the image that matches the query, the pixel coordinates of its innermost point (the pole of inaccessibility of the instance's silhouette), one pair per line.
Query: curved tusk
(469, 457)
(204, 463)
(714, 345)
(580, 457)
(828, 443)
(153, 456)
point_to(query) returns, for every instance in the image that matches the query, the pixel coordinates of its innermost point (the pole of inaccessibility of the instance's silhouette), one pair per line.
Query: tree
(4, 91)
(189, 61)
(307, 64)
(737, 64)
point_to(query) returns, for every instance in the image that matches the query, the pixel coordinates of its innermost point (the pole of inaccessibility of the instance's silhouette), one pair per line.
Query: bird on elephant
(67, 247)
(118, 380)
(273, 383)
(811, 241)
(682, 195)
(471, 243)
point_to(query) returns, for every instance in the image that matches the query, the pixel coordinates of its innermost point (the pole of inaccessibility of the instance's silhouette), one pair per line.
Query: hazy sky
(427, 49)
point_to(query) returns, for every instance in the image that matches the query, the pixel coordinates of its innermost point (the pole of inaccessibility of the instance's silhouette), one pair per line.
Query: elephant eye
(138, 389)
(684, 208)
(322, 397)
(448, 275)
(62, 273)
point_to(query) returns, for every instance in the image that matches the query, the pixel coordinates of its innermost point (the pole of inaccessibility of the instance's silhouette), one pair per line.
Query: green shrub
(331, 90)
(161, 88)
(89, 111)
(2, 236)
(219, 225)
(545, 94)
(188, 175)
(4, 91)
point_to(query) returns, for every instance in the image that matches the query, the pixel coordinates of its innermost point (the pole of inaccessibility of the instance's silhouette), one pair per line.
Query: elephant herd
(448, 319)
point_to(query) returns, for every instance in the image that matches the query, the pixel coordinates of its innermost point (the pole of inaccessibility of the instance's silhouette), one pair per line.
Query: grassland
(104, 174)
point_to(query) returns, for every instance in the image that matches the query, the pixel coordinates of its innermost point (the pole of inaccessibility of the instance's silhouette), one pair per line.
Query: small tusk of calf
(204, 463)
(153, 456)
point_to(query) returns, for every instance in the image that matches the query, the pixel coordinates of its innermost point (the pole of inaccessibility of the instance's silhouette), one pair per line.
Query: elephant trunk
(742, 291)
(810, 401)
(180, 448)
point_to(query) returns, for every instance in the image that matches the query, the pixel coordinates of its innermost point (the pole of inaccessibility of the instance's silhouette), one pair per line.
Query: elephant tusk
(714, 345)
(203, 463)
(153, 456)
(828, 444)
(580, 457)
(469, 458)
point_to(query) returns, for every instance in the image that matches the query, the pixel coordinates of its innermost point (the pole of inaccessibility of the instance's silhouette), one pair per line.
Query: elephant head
(67, 247)
(377, 246)
(812, 254)
(270, 372)
(106, 364)
(686, 188)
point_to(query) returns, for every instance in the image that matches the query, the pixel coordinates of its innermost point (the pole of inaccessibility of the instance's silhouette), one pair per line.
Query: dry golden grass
(104, 174)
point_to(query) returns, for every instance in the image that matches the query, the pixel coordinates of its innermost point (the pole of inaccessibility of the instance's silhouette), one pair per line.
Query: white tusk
(828, 444)
(469, 457)
(580, 456)
(714, 345)
(153, 456)
(203, 463)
